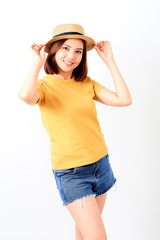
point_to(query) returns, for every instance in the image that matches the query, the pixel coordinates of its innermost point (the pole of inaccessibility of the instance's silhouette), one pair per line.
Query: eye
(65, 48)
(79, 52)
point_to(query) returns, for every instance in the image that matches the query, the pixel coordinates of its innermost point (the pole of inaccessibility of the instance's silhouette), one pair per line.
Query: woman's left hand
(104, 50)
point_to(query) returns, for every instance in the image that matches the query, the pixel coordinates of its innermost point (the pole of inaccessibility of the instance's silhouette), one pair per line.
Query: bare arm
(28, 91)
(122, 95)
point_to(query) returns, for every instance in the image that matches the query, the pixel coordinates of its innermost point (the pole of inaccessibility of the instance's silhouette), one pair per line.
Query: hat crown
(66, 31)
(64, 28)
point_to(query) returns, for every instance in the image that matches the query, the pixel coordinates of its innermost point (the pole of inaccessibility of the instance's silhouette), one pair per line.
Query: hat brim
(89, 41)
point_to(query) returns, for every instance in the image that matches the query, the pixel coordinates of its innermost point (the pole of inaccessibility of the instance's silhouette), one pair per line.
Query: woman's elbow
(129, 102)
(23, 96)
(125, 102)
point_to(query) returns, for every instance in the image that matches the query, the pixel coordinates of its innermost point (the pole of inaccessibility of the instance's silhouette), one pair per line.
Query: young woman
(65, 96)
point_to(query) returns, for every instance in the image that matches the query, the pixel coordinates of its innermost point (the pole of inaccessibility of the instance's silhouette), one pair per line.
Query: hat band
(68, 33)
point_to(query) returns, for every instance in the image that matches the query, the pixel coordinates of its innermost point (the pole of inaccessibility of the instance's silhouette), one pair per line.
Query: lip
(68, 63)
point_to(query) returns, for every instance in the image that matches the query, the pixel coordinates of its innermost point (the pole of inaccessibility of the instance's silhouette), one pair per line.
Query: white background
(30, 205)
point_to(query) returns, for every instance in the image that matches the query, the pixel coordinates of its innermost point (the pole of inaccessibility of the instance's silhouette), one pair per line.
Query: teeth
(68, 62)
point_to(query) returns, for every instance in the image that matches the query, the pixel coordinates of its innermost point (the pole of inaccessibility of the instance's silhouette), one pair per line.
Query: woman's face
(69, 56)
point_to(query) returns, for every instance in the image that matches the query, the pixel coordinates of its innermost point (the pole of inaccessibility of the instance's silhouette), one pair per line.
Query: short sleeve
(97, 88)
(42, 90)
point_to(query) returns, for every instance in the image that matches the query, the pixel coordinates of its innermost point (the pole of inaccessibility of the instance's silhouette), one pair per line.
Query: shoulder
(46, 81)
(88, 79)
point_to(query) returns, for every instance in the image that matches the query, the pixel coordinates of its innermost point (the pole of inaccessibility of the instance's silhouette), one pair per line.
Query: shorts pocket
(65, 172)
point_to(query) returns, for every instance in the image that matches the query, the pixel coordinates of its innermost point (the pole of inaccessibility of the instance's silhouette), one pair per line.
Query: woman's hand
(38, 54)
(104, 50)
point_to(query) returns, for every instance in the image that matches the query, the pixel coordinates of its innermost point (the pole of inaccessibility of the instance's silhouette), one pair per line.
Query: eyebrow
(70, 46)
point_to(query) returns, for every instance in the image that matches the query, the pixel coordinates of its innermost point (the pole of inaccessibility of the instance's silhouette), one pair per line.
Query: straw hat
(66, 31)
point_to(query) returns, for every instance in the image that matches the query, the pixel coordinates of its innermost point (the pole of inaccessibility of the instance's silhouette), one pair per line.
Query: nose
(71, 54)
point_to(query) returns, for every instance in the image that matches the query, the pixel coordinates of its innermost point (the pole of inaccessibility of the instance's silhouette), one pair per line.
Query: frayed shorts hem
(114, 184)
(92, 195)
(89, 180)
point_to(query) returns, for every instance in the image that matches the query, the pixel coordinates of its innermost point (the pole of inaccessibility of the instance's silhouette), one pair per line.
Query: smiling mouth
(68, 63)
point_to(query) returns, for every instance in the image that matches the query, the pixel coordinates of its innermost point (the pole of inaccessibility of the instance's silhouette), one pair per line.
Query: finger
(98, 49)
(108, 42)
(100, 43)
(104, 43)
(42, 51)
(37, 47)
(41, 46)
(34, 46)
(95, 47)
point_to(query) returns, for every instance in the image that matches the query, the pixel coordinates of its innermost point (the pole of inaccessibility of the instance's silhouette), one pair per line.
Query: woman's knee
(78, 234)
(96, 234)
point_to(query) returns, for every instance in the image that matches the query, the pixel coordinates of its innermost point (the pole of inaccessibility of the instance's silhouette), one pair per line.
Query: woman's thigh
(101, 201)
(87, 216)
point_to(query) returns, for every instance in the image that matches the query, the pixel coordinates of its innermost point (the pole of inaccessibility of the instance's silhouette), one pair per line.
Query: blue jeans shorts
(89, 180)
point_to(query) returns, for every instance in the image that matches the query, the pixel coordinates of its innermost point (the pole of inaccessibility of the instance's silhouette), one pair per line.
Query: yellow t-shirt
(69, 115)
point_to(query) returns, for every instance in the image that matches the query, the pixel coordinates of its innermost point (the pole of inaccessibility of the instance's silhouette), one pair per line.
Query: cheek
(59, 55)
(79, 58)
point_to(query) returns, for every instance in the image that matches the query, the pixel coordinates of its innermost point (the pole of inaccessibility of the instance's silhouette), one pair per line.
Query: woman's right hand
(38, 54)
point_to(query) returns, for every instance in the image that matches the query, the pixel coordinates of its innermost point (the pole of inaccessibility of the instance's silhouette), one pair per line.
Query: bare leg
(88, 217)
(78, 235)
(101, 202)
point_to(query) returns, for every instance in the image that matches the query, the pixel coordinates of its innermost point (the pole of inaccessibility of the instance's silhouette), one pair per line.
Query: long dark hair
(51, 67)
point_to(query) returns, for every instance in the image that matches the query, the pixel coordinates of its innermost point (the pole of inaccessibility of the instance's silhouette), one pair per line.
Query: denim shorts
(89, 180)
